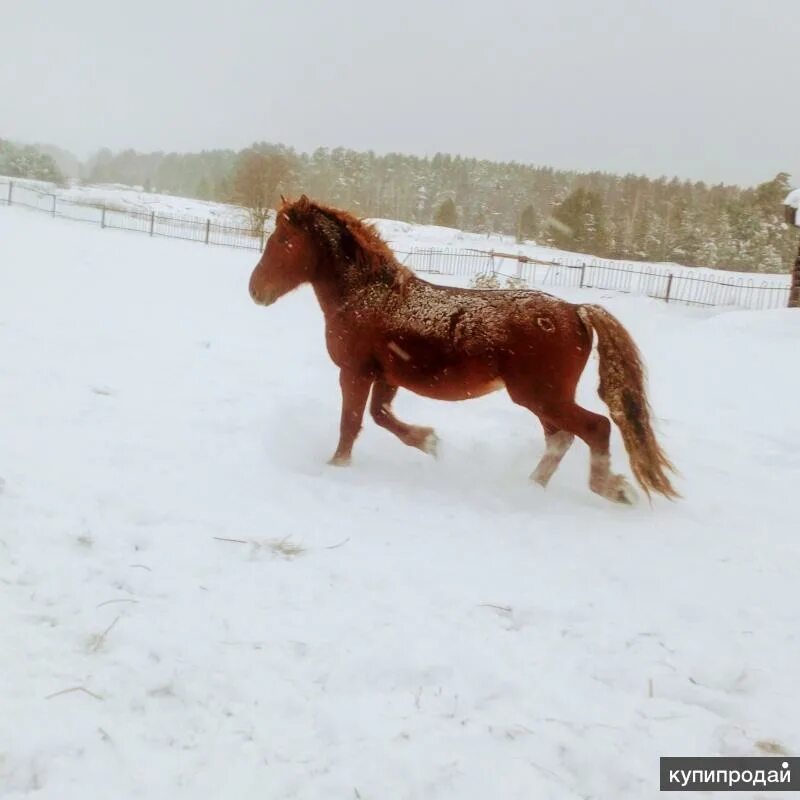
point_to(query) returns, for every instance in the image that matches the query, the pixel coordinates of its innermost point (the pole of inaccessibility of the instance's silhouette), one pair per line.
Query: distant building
(791, 206)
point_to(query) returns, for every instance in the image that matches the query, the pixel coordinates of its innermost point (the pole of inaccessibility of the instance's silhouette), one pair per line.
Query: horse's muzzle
(261, 296)
(266, 299)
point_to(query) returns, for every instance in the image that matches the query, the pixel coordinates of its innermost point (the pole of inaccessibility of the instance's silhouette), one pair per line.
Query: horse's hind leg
(595, 430)
(566, 416)
(380, 407)
(557, 443)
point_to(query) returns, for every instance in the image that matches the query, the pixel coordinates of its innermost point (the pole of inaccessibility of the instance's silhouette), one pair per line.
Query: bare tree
(257, 181)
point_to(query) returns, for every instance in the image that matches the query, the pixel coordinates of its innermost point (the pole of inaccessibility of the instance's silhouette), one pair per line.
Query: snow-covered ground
(128, 198)
(195, 606)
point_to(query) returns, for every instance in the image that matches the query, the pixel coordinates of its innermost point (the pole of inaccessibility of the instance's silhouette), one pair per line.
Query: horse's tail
(622, 389)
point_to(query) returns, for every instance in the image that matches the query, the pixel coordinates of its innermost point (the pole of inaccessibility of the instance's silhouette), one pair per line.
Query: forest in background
(629, 217)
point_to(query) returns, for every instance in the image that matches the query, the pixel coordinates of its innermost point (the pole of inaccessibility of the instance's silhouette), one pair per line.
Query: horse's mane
(346, 238)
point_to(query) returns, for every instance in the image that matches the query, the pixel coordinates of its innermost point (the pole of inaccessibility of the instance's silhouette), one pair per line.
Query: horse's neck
(329, 295)
(338, 288)
(333, 290)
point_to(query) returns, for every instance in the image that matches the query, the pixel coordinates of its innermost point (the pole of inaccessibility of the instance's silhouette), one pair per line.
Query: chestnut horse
(386, 328)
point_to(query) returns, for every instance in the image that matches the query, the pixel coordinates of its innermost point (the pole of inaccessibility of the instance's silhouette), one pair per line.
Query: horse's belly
(448, 390)
(448, 383)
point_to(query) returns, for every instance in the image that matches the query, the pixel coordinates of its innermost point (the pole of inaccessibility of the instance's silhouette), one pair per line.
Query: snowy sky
(706, 90)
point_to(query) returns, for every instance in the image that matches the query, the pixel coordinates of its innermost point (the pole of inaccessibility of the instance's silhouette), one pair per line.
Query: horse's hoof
(622, 492)
(539, 476)
(339, 461)
(430, 445)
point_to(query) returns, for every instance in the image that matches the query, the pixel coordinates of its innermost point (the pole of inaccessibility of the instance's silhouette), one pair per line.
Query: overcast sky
(705, 89)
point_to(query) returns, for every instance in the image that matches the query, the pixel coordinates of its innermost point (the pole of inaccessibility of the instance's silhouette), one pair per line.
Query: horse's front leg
(355, 390)
(413, 435)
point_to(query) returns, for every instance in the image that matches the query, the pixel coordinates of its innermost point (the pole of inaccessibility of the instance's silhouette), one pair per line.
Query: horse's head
(315, 243)
(289, 259)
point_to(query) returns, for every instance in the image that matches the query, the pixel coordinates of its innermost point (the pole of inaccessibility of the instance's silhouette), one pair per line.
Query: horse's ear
(284, 201)
(303, 205)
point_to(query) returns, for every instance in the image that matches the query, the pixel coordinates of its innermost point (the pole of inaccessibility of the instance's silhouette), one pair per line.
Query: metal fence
(153, 223)
(661, 283)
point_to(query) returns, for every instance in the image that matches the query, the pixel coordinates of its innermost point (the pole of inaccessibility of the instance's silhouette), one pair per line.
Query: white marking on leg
(430, 444)
(621, 491)
(613, 487)
(599, 471)
(557, 444)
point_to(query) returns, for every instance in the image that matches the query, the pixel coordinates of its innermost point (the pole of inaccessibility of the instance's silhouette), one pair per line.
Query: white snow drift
(194, 606)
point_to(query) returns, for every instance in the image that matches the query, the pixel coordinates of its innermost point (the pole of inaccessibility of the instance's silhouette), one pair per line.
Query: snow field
(404, 628)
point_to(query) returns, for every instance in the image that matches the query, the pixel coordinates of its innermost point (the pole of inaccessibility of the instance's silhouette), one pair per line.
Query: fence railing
(153, 223)
(659, 283)
(656, 282)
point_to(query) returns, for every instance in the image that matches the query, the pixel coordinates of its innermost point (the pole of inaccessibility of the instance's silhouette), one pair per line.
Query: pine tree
(203, 190)
(580, 223)
(688, 238)
(771, 259)
(528, 223)
(446, 215)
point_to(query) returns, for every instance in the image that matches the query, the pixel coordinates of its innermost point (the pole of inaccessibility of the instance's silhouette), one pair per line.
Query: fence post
(583, 270)
(669, 286)
(152, 221)
(53, 212)
(103, 218)
(794, 291)
(10, 190)
(208, 229)
(261, 246)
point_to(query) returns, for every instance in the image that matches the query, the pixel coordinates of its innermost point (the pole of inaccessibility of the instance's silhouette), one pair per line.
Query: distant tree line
(26, 161)
(629, 217)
